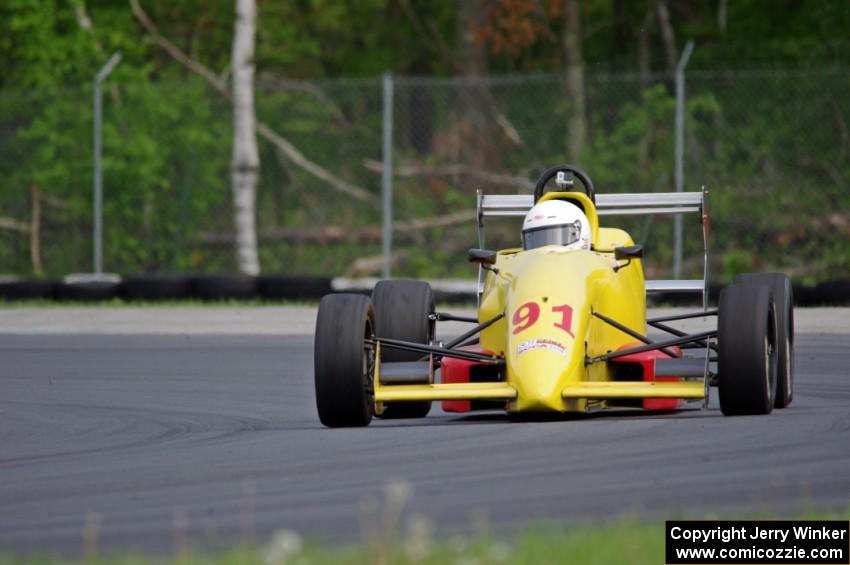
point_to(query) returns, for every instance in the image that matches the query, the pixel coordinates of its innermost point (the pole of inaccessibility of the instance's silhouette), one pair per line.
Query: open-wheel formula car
(561, 325)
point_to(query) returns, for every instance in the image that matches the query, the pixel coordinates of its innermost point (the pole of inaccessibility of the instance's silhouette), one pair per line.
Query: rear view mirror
(482, 256)
(630, 252)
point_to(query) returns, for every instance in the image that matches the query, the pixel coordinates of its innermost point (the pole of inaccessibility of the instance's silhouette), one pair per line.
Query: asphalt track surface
(155, 440)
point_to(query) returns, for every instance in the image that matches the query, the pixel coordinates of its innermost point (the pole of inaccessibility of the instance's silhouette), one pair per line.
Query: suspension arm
(658, 345)
(477, 329)
(679, 333)
(701, 314)
(434, 350)
(631, 332)
(447, 317)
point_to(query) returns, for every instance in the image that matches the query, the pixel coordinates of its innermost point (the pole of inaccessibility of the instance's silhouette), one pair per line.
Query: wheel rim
(369, 360)
(787, 391)
(767, 367)
(770, 359)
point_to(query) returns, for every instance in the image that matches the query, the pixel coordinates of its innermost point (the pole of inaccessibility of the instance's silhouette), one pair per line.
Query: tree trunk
(644, 70)
(644, 52)
(667, 36)
(35, 229)
(475, 140)
(267, 133)
(576, 119)
(245, 164)
(472, 55)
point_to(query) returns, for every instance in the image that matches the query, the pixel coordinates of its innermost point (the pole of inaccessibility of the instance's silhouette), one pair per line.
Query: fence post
(387, 178)
(680, 154)
(98, 147)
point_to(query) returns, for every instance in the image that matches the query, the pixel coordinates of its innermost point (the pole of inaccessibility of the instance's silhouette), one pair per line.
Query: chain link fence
(770, 146)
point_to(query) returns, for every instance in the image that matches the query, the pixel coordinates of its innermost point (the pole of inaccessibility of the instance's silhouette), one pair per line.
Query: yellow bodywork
(546, 361)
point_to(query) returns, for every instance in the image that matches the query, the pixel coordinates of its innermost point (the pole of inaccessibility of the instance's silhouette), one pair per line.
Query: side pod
(454, 370)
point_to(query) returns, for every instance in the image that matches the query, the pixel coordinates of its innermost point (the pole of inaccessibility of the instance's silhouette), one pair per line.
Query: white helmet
(555, 222)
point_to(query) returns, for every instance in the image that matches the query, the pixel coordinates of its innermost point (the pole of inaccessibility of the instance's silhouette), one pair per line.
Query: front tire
(402, 311)
(747, 349)
(783, 297)
(344, 363)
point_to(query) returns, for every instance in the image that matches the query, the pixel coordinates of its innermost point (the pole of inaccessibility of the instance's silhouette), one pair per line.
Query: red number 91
(526, 316)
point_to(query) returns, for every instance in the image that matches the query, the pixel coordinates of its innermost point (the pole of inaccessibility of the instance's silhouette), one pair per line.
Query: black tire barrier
(164, 286)
(224, 286)
(88, 291)
(805, 295)
(714, 292)
(683, 299)
(293, 287)
(457, 298)
(28, 289)
(156, 286)
(675, 299)
(834, 293)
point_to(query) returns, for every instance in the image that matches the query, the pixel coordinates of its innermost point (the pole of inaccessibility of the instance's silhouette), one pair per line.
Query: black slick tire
(402, 311)
(747, 352)
(783, 298)
(343, 363)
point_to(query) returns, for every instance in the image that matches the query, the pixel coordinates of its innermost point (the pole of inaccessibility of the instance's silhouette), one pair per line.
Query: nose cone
(541, 367)
(547, 311)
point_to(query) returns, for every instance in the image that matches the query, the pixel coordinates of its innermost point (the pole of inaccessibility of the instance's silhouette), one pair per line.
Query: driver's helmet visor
(564, 234)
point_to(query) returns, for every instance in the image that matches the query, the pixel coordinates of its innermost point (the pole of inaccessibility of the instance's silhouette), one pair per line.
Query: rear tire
(747, 352)
(343, 363)
(783, 298)
(402, 311)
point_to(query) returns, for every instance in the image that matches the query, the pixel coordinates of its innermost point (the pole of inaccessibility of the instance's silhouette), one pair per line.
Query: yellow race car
(561, 325)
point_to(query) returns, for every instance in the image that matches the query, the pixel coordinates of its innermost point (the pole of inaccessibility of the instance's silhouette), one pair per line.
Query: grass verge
(625, 540)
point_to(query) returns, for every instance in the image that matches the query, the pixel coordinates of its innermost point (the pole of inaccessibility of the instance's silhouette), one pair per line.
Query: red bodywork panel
(458, 371)
(647, 362)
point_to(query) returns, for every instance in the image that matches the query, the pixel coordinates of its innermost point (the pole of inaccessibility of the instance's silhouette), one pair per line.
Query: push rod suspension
(447, 317)
(462, 340)
(679, 333)
(470, 341)
(631, 332)
(649, 347)
(477, 329)
(431, 349)
(701, 314)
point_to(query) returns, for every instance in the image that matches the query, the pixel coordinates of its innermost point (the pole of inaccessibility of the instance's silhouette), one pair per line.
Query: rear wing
(635, 204)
